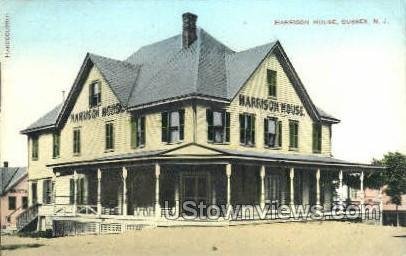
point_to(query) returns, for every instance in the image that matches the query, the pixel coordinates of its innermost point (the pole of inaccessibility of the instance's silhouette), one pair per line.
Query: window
(247, 129)
(272, 132)
(94, 94)
(76, 141)
(271, 78)
(12, 203)
(293, 134)
(218, 126)
(56, 144)
(24, 201)
(47, 191)
(137, 131)
(317, 137)
(173, 126)
(34, 193)
(34, 148)
(109, 136)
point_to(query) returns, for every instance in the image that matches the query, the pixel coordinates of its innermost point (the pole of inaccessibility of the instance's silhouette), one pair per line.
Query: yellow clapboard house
(181, 122)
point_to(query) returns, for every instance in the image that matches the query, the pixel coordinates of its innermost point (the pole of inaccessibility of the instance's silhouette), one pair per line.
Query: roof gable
(10, 177)
(164, 71)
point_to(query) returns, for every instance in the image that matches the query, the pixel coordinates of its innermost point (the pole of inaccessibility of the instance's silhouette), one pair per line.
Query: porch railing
(87, 209)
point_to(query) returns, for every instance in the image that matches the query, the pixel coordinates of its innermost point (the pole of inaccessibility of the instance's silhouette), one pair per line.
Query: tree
(394, 176)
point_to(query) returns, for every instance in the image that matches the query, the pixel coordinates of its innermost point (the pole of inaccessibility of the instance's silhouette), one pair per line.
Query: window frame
(47, 189)
(317, 137)
(249, 120)
(271, 78)
(94, 99)
(10, 208)
(167, 128)
(278, 133)
(224, 128)
(35, 148)
(293, 137)
(138, 138)
(76, 141)
(56, 144)
(109, 139)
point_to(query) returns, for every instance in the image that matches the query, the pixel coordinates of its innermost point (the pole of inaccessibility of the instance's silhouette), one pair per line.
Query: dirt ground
(316, 238)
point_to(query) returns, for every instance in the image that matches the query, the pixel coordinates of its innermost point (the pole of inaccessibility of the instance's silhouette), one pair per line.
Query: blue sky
(355, 72)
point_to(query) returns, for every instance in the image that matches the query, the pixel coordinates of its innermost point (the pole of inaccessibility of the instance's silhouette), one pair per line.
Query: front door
(195, 190)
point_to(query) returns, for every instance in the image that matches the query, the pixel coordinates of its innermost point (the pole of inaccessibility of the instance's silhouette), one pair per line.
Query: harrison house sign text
(271, 105)
(96, 112)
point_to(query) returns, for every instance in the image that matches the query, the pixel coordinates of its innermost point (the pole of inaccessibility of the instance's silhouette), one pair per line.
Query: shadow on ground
(19, 246)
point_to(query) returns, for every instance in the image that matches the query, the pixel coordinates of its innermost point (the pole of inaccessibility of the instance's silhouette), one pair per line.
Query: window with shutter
(56, 144)
(76, 141)
(271, 79)
(109, 139)
(173, 126)
(34, 148)
(247, 129)
(293, 134)
(270, 132)
(71, 191)
(94, 94)
(316, 137)
(218, 126)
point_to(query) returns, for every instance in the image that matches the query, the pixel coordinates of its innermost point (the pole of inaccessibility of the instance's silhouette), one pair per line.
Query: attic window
(271, 78)
(94, 94)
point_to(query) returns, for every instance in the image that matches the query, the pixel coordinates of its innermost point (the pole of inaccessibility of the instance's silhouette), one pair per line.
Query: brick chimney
(189, 29)
(5, 164)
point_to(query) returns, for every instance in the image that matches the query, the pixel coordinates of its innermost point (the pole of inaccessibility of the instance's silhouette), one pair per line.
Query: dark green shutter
(142, 142)
(253, 129)
(133, 127)
(181, 124)
(242, 129)
(71, 191)
(279, 133)
(227, 126)
(165, 128)
(266, 137)
(44, 191)
(210, 128)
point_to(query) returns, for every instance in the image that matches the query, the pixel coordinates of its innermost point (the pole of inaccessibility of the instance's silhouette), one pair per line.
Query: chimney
(5, 164)
(189, 29)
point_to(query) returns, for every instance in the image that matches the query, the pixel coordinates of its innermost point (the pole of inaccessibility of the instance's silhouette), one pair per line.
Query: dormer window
(218, 126)
(94, 94)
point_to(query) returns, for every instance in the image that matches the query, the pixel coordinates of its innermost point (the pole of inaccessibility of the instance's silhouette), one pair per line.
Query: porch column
(157, 206)
(318, 187)
(361, 179)
(292, 192)
(99, 206)
(177, 194)
(124, 191)
(75, 191)
(380, 196)
(228, 173)
(262, 175)
(340, 188)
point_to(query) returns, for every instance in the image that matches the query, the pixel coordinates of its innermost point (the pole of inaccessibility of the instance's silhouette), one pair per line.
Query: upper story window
(12, 204)
(218, 126)
(94, 94)
(316, 137)
(56, 142)
(109, 136)
(271, 79)
(76, 141)
(173, 126)
(137, 131)
(24, 202)
(247, 129)
(293, 134)
(34, 148)
(272, 132)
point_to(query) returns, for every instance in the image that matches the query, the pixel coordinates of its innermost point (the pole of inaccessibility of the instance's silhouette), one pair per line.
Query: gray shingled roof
(166, 70)
(10, 176)
(46, 120)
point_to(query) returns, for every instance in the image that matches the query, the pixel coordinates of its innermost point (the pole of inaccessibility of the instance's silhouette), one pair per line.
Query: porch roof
(193, 151)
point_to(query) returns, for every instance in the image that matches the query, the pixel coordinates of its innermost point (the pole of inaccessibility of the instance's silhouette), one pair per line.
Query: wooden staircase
(27, 217)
